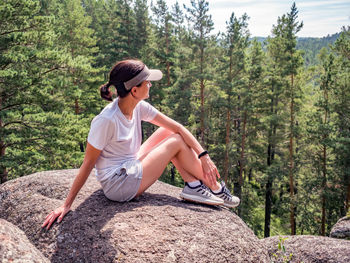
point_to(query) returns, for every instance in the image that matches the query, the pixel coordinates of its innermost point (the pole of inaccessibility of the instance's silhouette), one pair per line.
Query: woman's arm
(90, 159)
(209, 169)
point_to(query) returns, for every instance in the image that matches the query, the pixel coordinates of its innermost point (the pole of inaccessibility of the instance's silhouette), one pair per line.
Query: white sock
(218, 190)
(194, 183)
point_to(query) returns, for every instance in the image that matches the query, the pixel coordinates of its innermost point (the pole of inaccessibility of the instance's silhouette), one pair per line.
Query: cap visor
(155, 75)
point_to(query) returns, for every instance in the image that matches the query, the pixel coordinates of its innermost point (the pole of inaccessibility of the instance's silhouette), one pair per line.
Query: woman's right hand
(91, 156)
(210, 171)
(59, 212)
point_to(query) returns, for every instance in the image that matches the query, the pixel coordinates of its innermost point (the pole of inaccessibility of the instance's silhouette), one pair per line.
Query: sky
(320, 17)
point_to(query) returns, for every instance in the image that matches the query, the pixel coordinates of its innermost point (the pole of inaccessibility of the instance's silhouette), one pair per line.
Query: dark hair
(120, 73)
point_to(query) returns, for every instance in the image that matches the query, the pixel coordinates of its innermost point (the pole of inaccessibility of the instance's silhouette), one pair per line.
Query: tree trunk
(324, 169)
(291, 162)
(242, 160)
(347, 202)
(268, 194)
(167, 53)
(228, 125)
(77, 111)
(324, 185)
(3, 170)
(323, 220)
(128, 31)
(76, 107)
(172, 172)
(268, 206)
(202, 99)
(270, 158)
(227, 143)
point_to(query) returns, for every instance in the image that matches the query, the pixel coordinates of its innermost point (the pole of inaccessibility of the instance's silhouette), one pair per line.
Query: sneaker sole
(196, 199)
(230, 206)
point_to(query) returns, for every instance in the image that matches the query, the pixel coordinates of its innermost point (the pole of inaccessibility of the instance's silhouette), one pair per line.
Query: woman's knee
(164, 132)
(177, 140)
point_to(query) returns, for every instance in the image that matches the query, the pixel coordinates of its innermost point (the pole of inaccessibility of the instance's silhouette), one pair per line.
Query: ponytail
(105, 92)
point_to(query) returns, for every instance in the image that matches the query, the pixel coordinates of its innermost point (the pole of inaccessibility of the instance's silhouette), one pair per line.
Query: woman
(124, 167)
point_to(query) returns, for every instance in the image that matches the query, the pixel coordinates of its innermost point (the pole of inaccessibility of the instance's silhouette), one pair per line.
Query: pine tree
(236, 41)
(104, 24)
(114, 24)
(202, 25)
(81, 79)
(342, 108)
(30, 66)
(321, 132)
(180, 93)
(275, 119)
(163, 21)
(142, 32)
(252, 101)
(286, 29)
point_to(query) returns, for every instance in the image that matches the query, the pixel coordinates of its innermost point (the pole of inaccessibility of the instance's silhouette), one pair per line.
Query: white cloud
(320, 17)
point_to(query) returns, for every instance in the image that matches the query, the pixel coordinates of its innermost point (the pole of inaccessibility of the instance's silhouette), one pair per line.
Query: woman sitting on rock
(124, 167)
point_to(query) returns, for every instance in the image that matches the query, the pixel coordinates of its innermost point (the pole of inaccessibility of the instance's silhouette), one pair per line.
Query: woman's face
(144, 89)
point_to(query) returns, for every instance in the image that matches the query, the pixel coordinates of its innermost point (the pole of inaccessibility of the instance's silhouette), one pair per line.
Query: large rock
(156, 227)
(341, 229)
(15, 246)
(309, 249)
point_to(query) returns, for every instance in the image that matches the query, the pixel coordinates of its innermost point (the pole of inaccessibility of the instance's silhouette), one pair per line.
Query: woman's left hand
(209, 170)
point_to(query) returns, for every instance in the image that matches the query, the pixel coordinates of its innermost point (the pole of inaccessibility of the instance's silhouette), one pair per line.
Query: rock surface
(156, 227)
(15, 246)
(341, 229)
(309, 249)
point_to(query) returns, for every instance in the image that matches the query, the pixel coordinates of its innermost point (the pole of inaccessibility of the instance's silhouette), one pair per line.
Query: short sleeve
(148, 112)
(101, 132)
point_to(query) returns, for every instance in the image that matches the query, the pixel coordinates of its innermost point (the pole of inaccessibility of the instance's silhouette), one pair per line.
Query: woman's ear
(133, 90)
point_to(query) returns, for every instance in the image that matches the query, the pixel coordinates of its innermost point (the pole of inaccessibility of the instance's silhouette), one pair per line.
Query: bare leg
(158, 136)
(162, 147)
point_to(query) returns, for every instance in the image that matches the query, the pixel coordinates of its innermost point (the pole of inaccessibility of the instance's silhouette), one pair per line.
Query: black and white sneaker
(230, 201)
(200, 194)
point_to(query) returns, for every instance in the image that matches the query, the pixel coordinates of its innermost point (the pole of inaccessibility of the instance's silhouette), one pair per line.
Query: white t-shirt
(118, 138)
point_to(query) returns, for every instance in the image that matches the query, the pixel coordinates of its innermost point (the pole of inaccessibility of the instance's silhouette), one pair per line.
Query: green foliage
(46, 65)
(311, 47)
(27, 109)
(280, 255)
(233, 91)
(200, 26)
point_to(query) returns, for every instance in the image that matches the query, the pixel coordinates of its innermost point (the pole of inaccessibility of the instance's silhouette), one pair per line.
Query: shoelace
(226, 192)
(205, 190)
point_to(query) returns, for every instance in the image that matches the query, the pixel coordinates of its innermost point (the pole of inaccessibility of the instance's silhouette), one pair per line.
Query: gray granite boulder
(341, 229)
(313, 249)
(156, 227)
(15, 246)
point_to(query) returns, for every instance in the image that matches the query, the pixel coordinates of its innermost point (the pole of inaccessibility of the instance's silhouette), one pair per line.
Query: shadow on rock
(155, 227)
(89, 233)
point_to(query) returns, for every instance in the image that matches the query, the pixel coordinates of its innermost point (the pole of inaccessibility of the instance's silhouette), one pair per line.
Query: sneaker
(200, 194)
(230, 201)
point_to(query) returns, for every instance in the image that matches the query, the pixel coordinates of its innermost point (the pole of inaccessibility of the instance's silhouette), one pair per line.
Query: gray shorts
(124, 183)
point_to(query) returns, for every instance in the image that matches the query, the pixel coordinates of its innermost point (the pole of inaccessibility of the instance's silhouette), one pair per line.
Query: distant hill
(311, 46)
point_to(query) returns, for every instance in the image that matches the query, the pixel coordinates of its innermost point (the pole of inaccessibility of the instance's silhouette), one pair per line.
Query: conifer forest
(273, 113)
